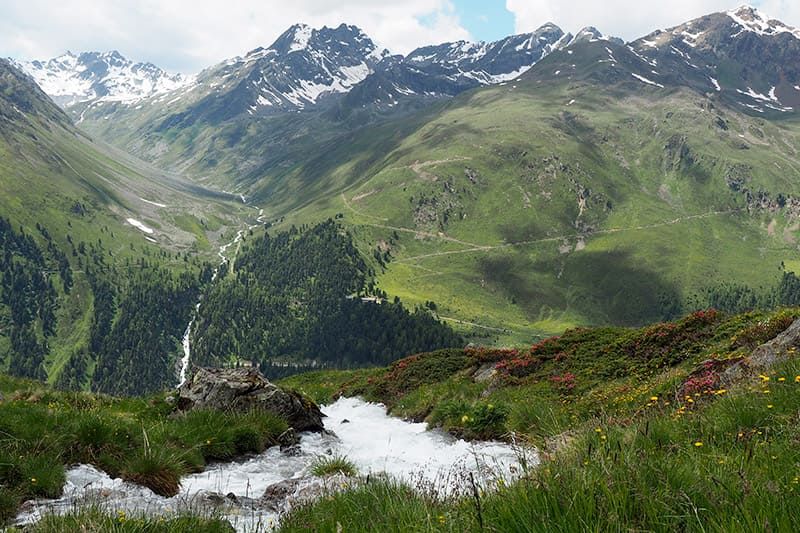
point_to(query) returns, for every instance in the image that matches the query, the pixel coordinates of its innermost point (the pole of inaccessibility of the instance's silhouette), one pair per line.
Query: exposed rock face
(716, 374)
(245, 389)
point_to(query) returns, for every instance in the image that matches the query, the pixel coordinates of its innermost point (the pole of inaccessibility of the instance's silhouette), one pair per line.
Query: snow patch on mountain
(301, 38)
(752, 20)
(646, 81)
(71, 79)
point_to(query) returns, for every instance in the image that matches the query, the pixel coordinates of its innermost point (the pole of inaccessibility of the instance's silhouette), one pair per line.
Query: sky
(189, 35)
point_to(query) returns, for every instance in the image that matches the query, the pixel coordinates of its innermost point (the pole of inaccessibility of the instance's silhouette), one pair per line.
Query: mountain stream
(362, 432)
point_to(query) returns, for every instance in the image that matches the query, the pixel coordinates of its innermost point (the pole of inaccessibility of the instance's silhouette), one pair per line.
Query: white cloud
(187, 35)
(631, 19)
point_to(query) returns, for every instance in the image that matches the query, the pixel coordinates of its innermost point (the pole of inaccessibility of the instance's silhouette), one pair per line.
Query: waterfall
(186, 341)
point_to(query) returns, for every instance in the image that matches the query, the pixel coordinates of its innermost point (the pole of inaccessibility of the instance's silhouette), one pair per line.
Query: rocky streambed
(252, 493)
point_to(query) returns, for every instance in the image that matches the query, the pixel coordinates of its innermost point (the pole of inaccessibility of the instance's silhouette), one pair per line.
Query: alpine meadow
(543, 282)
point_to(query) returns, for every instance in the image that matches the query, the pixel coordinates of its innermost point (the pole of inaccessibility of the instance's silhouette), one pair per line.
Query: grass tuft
(324, 466)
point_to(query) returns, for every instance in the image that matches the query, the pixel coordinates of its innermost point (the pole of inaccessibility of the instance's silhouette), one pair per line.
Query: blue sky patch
(486, 20)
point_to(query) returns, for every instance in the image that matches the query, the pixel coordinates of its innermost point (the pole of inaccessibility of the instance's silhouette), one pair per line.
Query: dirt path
(360, 213)
(464, 322)
(484, 248)
(418, 167)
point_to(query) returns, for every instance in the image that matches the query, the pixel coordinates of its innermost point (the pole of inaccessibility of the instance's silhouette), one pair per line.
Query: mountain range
(539, 182)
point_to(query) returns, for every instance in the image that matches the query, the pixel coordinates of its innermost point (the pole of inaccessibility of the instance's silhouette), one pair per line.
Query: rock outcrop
(245, 389)
(281, 497)
(714, 374)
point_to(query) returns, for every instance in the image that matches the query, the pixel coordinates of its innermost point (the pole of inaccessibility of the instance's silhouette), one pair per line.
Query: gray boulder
(283, 496)
(245, 389)
(765, 356)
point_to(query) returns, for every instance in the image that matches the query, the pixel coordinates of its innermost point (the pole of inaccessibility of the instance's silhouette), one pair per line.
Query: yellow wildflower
(698, 444)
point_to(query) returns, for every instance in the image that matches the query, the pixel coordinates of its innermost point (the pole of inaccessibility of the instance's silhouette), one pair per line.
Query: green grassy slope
(555, 201)
(53, 179)
(636, 428)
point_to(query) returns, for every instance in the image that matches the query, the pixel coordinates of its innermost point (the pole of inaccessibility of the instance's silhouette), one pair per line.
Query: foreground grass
(95, 520)
(639, 447)
(136, 439)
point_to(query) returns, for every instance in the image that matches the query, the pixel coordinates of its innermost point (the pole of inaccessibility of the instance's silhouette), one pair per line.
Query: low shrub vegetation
(636, 429)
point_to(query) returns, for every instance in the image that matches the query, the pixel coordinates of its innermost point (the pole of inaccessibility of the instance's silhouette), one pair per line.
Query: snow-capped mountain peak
(751, 19)
(592, 34)
(71, 79)
(302, 35)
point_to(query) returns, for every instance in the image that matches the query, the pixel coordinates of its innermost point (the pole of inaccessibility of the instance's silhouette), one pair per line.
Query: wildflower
(441, 519)
(698, 444)
(769, 406)
(797, 379)
(781, 379)
(598, 430)
(33, 480)
(764, 378)
(464, 419)
(766, 391)
(721, 391)
(653, 398)
(602, 437)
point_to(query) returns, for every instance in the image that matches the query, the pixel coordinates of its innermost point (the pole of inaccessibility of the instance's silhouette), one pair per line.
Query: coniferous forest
(305, 298)
(298, 299)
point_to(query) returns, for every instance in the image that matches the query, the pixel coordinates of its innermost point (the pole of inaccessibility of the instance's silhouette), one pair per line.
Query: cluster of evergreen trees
(29, 298)
(137, 353)
(306, 297)
(139, 310)
(735, 298)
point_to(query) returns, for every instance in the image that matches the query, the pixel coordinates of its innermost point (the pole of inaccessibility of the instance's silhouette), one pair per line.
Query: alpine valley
(321, 203)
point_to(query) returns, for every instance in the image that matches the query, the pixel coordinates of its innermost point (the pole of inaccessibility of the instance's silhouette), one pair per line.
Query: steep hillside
(244, 123)
(591, 190)
(681, 426)
(88, 235)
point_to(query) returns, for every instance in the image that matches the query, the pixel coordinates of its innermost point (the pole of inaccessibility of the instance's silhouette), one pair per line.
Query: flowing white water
(364, 433)
(183, 364)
